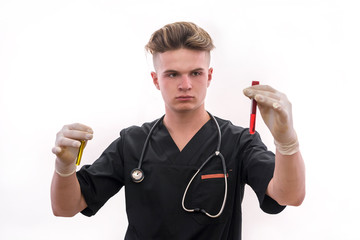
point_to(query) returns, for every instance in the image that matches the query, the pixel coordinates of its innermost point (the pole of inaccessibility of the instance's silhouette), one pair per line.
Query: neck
(186, 121)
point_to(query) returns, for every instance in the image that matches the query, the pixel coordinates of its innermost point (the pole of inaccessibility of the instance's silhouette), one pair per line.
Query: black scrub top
(154, 206)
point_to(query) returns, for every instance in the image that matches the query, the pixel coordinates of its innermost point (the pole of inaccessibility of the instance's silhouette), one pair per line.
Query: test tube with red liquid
(253, 111)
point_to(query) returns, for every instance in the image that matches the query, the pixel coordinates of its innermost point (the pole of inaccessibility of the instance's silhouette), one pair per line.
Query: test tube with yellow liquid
(81, 149)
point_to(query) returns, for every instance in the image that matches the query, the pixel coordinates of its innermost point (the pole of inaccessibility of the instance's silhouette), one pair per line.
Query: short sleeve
(258, 169)
(103, 179)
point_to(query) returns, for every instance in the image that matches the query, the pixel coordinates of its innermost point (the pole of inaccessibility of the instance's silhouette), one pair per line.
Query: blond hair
(179, 35)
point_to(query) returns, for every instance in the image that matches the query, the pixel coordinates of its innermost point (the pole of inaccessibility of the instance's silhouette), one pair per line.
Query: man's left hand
(276, 111)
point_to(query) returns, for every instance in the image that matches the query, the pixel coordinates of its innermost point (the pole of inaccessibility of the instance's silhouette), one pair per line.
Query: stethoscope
(137, 174)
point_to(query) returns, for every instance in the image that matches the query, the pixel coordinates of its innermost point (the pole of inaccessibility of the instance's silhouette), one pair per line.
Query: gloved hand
(67, 147)
(276, 112)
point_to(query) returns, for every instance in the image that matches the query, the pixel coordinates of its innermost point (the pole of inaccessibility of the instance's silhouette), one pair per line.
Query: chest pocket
(207, 192)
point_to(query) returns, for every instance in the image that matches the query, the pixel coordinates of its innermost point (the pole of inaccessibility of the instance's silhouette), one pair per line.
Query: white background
(84, 61)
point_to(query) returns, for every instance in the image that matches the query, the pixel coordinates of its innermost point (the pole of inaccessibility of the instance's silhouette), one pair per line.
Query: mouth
(184, 98)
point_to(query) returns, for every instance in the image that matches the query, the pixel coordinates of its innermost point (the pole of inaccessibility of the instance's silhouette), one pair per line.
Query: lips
(184, 97)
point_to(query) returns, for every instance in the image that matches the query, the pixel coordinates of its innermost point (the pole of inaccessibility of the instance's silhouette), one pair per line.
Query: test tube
(253, 111)
(81, 149)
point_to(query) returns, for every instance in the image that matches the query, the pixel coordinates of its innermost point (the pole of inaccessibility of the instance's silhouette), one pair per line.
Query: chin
(186, 109)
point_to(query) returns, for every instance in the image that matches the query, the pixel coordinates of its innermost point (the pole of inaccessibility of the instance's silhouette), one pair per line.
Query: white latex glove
(276, 111)
(67, 147)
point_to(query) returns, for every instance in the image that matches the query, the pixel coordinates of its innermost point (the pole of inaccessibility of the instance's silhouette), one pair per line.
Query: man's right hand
(67, 146)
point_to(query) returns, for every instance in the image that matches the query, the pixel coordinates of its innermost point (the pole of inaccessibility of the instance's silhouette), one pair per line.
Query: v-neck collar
(168, 147)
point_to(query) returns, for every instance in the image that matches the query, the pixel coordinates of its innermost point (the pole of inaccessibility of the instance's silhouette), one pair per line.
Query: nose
(185, 83)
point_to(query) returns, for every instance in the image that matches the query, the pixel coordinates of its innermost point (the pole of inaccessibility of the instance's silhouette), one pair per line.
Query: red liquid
(253, 111)
(252, 123)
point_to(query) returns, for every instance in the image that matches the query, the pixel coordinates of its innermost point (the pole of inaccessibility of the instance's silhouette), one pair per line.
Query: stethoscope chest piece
(137, 175)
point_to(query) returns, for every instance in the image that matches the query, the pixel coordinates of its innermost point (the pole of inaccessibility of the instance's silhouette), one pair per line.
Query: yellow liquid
(81, 149)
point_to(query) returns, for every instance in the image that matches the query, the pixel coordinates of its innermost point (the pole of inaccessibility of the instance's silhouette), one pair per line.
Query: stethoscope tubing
(137, 174)
(147, 141)
(217, 153)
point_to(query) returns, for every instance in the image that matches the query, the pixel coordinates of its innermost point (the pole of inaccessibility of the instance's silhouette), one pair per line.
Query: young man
(184, 175)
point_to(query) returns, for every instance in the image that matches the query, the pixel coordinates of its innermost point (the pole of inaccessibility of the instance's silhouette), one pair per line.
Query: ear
(210, 72)
(155, 80)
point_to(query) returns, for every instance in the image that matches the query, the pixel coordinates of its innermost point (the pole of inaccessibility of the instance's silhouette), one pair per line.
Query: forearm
(287, 186)
(66, 197)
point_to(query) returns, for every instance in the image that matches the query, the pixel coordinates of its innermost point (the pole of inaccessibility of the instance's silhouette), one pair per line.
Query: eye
(172, 75)
(196, 73)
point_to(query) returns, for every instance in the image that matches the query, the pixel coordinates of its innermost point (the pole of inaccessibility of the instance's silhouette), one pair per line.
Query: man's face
(183, 77)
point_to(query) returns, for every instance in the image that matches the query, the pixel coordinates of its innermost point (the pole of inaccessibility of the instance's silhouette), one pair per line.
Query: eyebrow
(198, 69)
(170, 71)
(174, 71)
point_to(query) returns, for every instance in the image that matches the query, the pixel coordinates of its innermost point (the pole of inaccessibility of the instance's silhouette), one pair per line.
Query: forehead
(181, 60)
